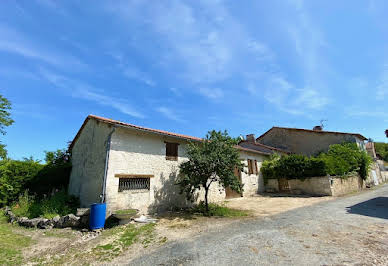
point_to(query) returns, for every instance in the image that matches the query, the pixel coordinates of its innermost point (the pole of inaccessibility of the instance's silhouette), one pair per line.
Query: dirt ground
(175, 226)
(271, 204)
(65, 246)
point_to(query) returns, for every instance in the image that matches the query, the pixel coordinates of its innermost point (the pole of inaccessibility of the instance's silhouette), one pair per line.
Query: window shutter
(256, 170)
(250, 166)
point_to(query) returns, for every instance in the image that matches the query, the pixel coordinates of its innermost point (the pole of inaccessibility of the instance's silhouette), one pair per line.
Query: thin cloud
(133, 73)
(13, 42)
(212, 93)
(170, 114)
(84, 91)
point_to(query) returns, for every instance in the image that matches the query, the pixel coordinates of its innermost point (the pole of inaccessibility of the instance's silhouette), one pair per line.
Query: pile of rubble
(74, 221)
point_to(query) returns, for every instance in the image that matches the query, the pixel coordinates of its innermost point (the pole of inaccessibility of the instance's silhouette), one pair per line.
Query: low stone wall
(320, 186)
(69, 220)
(343, 186)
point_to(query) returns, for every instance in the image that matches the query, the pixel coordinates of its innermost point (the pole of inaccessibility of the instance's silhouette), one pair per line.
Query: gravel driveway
(351, 230)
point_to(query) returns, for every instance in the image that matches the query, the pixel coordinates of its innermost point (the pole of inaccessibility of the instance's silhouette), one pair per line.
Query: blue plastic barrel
(97, 216)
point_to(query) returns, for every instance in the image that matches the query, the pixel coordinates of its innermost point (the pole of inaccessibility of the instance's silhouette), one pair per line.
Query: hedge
(341, 159)
(39, 179)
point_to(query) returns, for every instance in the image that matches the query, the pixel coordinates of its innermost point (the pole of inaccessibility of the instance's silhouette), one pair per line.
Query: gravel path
(351, 230)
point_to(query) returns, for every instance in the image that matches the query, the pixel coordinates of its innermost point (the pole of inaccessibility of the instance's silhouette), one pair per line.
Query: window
(252, 167)
(172, 151)
(134, 184)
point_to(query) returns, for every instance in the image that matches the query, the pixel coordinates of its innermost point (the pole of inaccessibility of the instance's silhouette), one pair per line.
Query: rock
(22, 220)
(12, 217)
(30, 222)
(56, 219)
(46, 224)
(84, 221)
(83, 212)
(69, 220)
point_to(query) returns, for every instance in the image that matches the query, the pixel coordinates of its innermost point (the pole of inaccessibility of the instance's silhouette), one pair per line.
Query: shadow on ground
(377, 207)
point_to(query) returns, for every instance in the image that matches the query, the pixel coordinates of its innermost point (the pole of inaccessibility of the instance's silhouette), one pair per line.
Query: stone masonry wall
(320, 186)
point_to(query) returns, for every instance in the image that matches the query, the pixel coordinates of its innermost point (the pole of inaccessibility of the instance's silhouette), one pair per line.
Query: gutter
(103, 195)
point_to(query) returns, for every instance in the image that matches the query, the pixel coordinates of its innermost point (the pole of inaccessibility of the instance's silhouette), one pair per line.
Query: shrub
(39, 179)
(293, 166)
(14, 177)
(340, 159)
(59, 203)
(382, 150)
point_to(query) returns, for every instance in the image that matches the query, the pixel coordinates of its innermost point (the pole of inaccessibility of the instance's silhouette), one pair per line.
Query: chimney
(317, 128)
(251, 138)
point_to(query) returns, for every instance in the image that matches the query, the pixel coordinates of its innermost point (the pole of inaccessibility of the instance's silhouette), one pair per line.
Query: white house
(130, 166)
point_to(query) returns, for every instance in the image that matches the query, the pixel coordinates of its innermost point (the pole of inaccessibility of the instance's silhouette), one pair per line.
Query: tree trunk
(206, 201)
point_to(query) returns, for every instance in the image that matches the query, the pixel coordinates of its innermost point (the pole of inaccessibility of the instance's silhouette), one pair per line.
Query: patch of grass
(11, 243)
(126, 212)
(128, 236)
(218, 211)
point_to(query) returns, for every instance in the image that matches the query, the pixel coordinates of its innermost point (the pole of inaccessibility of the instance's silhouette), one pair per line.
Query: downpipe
(103, 195)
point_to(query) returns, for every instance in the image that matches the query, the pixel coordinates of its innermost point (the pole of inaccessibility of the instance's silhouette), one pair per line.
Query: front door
(230, 193)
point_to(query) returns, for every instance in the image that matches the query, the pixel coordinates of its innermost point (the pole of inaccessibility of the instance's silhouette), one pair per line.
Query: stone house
(129, 166)
(305, 141)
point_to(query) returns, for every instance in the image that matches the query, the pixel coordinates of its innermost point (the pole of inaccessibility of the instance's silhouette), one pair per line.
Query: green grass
(128, 236)
(126, 212)
(11, 243)
(218, 211)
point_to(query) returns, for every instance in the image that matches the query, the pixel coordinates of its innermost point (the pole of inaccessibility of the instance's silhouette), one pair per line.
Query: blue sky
(192, 66)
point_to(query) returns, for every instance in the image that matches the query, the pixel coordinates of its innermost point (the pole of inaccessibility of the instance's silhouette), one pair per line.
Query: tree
(213, 160)
(386, 133)
(5, 121)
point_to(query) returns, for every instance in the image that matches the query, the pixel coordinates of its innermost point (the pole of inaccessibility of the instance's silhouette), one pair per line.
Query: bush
(39, 179)
(293, 166)
(14, 177)
(341, 159)
(382, 150)
(58, 203)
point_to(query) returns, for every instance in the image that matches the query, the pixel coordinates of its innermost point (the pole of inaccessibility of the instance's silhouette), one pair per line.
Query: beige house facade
(128, 166)
(307, 142)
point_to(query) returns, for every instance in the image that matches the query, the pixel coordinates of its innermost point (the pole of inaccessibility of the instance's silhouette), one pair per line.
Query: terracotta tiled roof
(315, 131)
(156, 131)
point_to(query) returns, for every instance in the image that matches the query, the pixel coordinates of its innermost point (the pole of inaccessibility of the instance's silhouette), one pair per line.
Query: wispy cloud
(133, 73)
(12, 41)
(212, 93)
(206, 47)
(169, 113)
(292, 100)
(84, 91)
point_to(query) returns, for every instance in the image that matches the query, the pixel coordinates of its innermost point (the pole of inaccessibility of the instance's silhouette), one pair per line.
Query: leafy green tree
(5, 121)
(213, 160)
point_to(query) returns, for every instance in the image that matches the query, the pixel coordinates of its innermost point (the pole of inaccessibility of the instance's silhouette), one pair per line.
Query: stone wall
(320, 186)
(343, 186)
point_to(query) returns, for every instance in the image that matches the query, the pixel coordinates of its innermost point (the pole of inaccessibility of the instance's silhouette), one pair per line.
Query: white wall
(88, 162)
(134, 152)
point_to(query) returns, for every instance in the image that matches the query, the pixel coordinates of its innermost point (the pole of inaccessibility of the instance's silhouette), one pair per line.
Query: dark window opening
(134, 184)
(172, 151)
